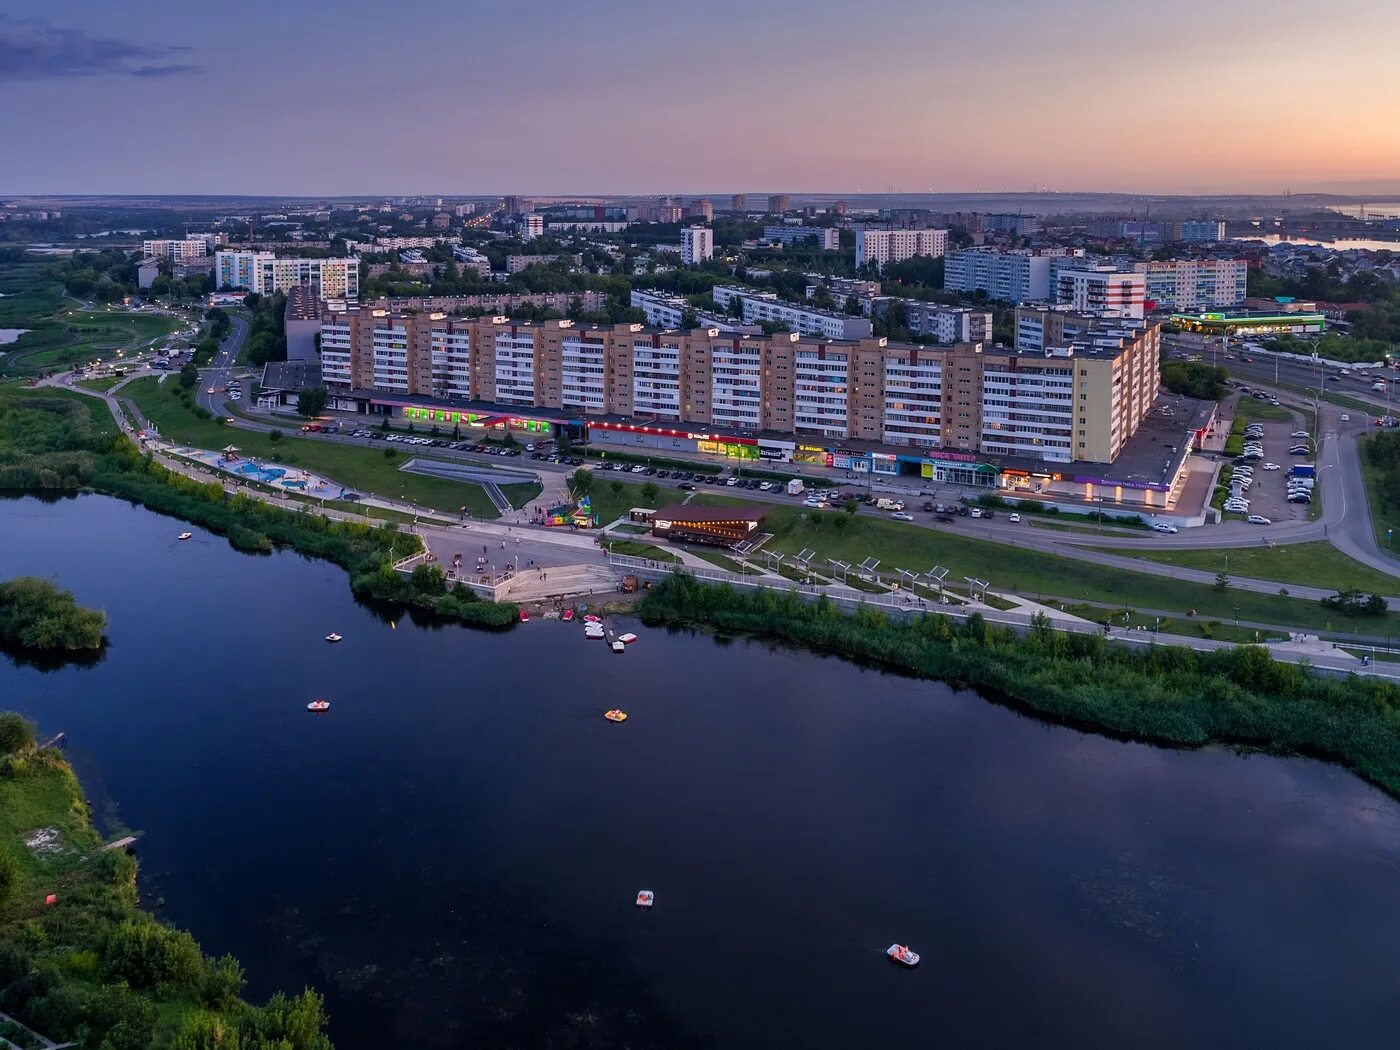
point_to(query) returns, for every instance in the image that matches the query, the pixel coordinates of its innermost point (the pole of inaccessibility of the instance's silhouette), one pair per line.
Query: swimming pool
(267, 475)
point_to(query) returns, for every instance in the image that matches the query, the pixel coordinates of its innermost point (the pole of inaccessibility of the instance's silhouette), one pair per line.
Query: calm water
(451, 854)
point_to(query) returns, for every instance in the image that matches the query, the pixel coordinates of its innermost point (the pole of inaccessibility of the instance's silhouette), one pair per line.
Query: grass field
(1252, 408)
(1316, 564)
(634, 549)
(1036, 574)
(366, 469)
(1381, 519)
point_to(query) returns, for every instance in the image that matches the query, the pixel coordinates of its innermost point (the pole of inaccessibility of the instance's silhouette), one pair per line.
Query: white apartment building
(1007, 276)
(765, 306)
(827, 239)
(264, 273)
(656, 378)
(532, 227)
(1195, 284)
(452, 362)
(515, 367)
(391, 357)
(335, 352)
(583, 372)
(1029, 413)
(1104, 293)
(665, 310)
(948, 324)
(882, 247)
(736, 385)
(914, 399)
(697, 245)
(189, 248)
(820, 393)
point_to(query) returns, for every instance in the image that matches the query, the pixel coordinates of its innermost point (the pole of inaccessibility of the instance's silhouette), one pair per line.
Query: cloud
(33, 51)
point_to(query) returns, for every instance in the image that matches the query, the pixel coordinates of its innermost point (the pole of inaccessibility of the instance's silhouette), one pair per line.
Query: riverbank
(52, 443)
(80, 960)
(1172, 695)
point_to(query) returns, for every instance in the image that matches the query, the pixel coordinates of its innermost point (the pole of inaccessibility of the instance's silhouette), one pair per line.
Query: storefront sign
(1081, 479)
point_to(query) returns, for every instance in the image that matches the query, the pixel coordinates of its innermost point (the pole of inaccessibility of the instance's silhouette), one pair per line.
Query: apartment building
(1010, 222)
(1040, 326)
(1198, 231)
(778, 203)
(264, 273)
(883, 247)
(666, 310)
(1080, 401)
(947, 324)
(739, 202)
(516, 263)
(759, 307)
(1195, 284)
(828, 239)
(697, 245)
(700, 208)
(531, 226)
(1007, 276)
(842, 288)
(176, 251)
(1103, 292)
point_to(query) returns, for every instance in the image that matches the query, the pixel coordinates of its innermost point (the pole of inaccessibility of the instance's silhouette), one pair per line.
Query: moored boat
(618, 647)
(186, 535)
(903, 954)
(566, 615)
(319, 705)
(615, 715)
(590, 618)
(524, 616)
(627, 639)
(332, 637)
(645, 899)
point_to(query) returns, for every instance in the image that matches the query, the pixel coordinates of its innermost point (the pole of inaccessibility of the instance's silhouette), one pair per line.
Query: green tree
(16, 732)
(311, 402)
(581, 482)
(221, 983)
(428, 579)
(274, 435)
(650, 491)
(1222, 581)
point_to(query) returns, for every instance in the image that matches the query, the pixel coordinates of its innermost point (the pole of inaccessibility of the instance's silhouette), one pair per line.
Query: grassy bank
(1316, 564)
(372, 470)
(1163, 694)
(50, 443)
(1037, 574)
(92, 967)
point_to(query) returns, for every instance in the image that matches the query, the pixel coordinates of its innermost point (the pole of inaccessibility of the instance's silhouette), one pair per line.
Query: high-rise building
(1078, 401)
(697, 244)
(531, 227)
(1011, 222)
(883, 247)
(518, 206)
(264, 273)
(739, 202)
(778, 203)
(700, 208)
(1102, 292)
(1198, 231)
(944, 324)
(189, 248)
(838, 207)
(1007, 276)
(1195, 284)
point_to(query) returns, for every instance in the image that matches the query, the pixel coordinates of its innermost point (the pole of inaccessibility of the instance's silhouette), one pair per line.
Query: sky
(715, 96)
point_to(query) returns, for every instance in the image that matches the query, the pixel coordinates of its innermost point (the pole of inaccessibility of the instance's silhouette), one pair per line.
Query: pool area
(253, 470)
(267, 475)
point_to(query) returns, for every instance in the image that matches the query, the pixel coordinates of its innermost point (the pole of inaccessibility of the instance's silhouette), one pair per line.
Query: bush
(36, 615)
(146, 955)
(16, 732)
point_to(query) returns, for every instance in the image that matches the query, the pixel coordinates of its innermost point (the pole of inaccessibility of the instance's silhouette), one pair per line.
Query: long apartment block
(1078, 401)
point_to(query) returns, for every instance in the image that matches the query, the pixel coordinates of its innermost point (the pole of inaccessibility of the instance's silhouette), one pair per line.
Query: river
(451, 853)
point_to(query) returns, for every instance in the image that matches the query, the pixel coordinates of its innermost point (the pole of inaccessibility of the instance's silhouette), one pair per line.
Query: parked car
(1258, 519)
(1300, 434)
(1346, 418)
(1015, 519)
(1162, 526)
(1271, 466)
(685, 485)
(899, 515)
(928, 506)
(1299, 497)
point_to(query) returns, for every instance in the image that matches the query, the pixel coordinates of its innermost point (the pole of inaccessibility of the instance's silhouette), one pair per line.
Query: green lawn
(1023, 570)
(723, 561)
(641, 550)
(1317, 564)
(1187, 627)
(1252, 408)
(1381, 518)
(103, 384)
(366, 469)
(45, 797)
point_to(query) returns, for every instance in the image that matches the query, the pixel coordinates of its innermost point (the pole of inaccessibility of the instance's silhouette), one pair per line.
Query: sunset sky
(626, 96)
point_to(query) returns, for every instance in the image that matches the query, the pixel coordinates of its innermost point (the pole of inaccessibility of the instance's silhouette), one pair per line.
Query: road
(220, 370)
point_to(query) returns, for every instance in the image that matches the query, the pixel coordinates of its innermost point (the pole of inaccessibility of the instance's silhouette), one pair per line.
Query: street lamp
(1237, 615)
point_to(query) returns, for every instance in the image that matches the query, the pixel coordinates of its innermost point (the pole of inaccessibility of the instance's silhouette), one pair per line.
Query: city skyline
(276, 100)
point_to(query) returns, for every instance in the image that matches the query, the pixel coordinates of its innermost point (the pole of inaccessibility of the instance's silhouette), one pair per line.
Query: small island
(37, 617)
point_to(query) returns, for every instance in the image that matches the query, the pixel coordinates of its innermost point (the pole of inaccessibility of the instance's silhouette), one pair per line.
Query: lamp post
(1237, 615)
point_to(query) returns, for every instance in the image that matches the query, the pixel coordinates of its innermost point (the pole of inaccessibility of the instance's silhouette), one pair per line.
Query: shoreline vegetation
(50, 443)
(38, 617)
(80, 960)
(1171, 695)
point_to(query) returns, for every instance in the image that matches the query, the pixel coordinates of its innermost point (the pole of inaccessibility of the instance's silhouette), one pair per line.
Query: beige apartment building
(1077, 401)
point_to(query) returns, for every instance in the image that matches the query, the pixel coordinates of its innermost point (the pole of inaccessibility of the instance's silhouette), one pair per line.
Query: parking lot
(1268, 494)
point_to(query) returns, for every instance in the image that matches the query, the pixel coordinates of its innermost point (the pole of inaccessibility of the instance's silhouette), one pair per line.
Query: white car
(1300, 434)
(1271, 466)
(1162, 526)
(1346, 418)
(1258, 519)
(1015, 519)
(899, 515)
